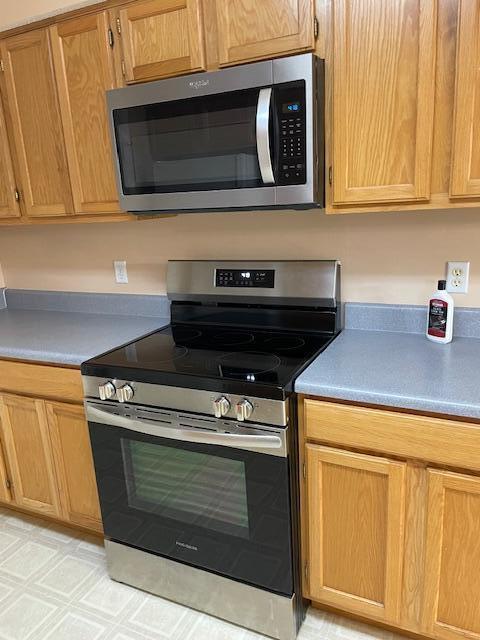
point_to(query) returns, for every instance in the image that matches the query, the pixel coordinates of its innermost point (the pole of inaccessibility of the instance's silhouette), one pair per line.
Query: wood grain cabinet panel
(84, 69)
(74, 465)
(28, 449)
(356, 510)
(5, 493)
(251, 30)
(465, 175)
(9, 207)
(37, 128)
(162, 38)
(452, 610)
(383, 100)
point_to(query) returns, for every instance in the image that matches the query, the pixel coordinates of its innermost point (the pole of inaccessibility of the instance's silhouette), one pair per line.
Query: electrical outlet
(457, 277)
(121, 274)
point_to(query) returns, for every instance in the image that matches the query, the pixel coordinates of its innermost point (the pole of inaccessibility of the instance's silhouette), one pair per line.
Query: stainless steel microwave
(247, 137)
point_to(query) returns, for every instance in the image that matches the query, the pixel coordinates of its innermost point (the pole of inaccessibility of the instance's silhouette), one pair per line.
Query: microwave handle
(263, 135)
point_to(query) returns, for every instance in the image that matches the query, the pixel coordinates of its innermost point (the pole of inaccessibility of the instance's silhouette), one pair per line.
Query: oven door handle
(235, 440)
(263, 135)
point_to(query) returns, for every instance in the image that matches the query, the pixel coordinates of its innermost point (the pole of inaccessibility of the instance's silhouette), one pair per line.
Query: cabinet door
(452, 610)
(5, 494)
(356, 509)
(84, 70)
(29, 452)
(250, 30)
(383, 100)
(74, 464)
(37, 129)
(465, 178)
(8, 188)
(162, 38)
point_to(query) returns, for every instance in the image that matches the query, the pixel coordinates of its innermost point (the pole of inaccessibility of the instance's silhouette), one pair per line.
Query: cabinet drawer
(437, 440)
(41, 381)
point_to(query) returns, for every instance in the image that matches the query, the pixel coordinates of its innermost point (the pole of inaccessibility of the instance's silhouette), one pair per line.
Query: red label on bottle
(437, 318)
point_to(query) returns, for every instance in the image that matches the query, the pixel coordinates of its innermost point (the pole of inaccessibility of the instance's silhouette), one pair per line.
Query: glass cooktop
(248, 356)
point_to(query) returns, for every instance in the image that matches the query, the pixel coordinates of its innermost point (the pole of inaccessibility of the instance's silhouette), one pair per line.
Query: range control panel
(261, 278)
(291, 117)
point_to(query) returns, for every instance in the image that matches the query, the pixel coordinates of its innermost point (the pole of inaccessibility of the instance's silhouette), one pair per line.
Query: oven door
(206, 498)
(211, 150)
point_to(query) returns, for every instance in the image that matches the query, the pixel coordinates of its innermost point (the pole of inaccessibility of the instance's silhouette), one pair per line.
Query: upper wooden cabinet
(250, 30)
(356, 507)
(162, 38)
(28, 449)
(465, 176)
(8, 187)
(37, 129)
(84, 69)
(453, 556)
(74, 464)
(383, 100)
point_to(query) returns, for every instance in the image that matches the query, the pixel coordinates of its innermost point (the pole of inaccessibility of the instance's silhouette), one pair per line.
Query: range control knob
(106, 391)
(125, 393)
(244, 410)
(221, 406)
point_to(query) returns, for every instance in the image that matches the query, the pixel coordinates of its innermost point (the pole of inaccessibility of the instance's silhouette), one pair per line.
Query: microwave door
(263, 135)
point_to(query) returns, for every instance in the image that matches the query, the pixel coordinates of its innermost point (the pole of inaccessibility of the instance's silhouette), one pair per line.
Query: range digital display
(260, 278)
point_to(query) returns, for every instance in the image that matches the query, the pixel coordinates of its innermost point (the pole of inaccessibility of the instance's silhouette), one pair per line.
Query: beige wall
(13, 12)
(386, 257)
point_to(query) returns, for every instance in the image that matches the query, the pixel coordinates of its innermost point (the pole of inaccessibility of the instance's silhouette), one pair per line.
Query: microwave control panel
(291, 118)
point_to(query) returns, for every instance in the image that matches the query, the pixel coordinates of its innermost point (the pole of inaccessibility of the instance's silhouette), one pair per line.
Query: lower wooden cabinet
(452, 584)
(356, 507)
(46, 463)
(385, 535)
(29, 453)
(5, 493)
(74, 465)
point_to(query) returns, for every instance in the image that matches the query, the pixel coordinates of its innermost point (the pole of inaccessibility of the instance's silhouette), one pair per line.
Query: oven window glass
(196, 144)
(194, 488)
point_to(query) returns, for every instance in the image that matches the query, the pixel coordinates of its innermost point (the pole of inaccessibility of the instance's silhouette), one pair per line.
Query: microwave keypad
(292, 150)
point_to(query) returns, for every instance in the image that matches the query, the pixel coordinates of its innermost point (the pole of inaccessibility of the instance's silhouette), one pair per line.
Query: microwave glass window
(197, 144)
(191, 487)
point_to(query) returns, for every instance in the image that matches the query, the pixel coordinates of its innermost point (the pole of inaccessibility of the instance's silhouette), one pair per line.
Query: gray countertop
(66, 337)
(403, 370)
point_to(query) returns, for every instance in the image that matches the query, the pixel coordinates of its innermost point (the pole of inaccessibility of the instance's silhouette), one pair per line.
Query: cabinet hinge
(316, 27)
(124, 70)
(111, 41)
(8, 484)
(330, 175)
(2, 66)
(16, 193)
(119, 27)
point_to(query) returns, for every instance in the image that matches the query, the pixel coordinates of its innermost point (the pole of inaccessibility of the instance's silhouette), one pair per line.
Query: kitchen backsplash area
(386, 258)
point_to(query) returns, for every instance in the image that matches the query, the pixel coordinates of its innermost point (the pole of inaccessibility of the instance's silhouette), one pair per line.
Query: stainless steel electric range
(194, 438)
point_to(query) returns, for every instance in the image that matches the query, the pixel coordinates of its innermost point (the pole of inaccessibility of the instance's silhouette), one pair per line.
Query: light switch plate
(457, 277)
(121, 274)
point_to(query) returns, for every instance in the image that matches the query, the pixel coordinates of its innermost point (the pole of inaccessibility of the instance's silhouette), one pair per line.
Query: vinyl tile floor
(54, 586)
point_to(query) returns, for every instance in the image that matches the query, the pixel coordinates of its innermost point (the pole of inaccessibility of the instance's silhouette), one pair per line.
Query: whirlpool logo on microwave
(197, 84)
(186, 546)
